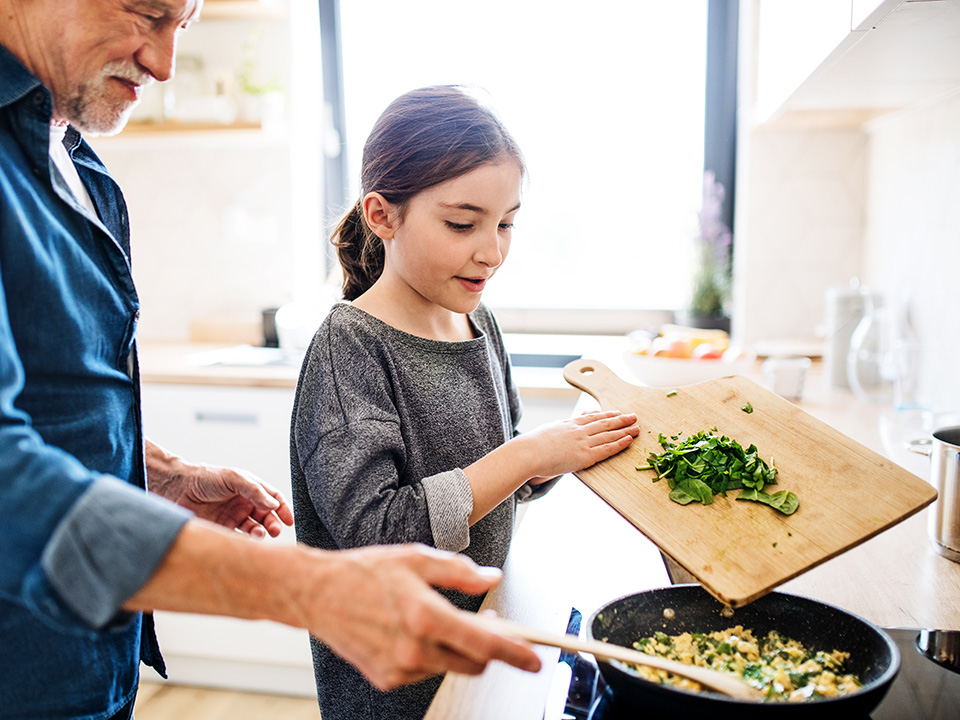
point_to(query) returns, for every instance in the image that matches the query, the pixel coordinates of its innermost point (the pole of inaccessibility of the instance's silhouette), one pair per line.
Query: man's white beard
(90, 110)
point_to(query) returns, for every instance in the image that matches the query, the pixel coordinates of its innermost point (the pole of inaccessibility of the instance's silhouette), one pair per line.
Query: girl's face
(454, 236)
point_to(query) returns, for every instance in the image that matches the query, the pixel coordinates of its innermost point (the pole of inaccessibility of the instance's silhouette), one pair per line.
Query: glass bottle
(869, 360)
(883, 357)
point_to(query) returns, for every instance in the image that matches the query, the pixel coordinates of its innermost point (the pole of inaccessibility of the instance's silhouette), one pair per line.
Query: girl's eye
(458, 227)
(506, 226)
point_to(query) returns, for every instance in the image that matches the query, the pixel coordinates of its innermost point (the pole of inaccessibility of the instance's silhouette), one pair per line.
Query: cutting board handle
(596, 379)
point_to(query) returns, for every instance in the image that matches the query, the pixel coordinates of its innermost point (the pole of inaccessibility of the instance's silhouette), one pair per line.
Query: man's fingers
(466, 637)
(252, 527)
(264, 497)
(482, 643)
(454, 572)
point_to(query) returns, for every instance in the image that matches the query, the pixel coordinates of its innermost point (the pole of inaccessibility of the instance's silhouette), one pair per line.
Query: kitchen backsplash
(799, 228)
(912, 246)
(211, 228)
(880, 203)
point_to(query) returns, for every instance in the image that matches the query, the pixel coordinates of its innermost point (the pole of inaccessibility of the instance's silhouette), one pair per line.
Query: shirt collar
(15, 80)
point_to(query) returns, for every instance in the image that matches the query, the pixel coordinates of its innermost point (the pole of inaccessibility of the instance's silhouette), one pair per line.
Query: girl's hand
(578, 442)
(546, 452)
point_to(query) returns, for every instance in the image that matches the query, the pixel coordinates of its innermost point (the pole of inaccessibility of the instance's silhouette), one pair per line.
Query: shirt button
(38, 97)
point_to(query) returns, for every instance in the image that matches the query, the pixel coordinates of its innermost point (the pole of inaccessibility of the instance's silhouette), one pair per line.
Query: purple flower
(711, 280)
(715, 237)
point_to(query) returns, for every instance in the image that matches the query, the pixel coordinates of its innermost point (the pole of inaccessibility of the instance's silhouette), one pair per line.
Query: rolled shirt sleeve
(105, 549)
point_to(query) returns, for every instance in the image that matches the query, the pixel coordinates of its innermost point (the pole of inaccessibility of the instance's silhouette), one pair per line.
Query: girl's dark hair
(423, 138)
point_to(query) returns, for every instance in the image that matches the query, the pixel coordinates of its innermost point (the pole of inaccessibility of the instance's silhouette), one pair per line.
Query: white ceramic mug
(786, 376)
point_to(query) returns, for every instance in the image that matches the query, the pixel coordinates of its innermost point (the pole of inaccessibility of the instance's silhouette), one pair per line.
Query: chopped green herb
(747, 408)
(706, 464)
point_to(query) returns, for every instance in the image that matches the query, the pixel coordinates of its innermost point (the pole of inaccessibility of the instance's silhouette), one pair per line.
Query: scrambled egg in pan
(783, 669)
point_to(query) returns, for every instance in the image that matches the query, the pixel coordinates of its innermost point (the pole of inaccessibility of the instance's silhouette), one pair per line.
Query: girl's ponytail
(360, 253)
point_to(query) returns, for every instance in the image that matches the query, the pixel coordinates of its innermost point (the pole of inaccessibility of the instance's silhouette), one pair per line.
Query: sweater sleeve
(358, 496)
(350, 451)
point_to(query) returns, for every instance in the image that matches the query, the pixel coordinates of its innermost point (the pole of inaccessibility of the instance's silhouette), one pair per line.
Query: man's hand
(376, 608)
(230, 497)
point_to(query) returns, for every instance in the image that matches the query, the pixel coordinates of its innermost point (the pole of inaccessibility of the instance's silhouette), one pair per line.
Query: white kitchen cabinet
(833, 62)
(248, 428)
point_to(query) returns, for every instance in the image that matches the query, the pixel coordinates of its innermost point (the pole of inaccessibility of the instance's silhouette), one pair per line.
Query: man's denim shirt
(78, 534)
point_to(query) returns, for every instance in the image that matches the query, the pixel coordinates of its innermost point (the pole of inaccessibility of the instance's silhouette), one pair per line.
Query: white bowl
(667, 372)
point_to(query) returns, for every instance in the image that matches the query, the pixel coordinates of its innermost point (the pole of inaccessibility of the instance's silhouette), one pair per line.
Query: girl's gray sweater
(383, 422)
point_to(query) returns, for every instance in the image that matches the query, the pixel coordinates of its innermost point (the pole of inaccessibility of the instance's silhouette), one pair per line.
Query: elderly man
(83, 549)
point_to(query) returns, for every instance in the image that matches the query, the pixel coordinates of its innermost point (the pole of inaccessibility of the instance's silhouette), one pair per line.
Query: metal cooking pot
(873, 654)
(944, 451)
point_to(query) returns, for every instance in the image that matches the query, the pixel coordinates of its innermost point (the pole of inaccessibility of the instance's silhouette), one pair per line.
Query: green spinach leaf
(706, 464)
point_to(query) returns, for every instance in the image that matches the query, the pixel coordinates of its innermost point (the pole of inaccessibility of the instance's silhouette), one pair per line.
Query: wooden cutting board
(739, 551)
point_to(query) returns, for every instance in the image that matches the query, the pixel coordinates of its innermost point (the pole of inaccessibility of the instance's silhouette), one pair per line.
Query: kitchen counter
(215, 364)
(572, 550)
(249, 366)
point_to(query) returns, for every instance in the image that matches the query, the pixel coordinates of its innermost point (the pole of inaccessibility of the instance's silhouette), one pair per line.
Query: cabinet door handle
(224, 416)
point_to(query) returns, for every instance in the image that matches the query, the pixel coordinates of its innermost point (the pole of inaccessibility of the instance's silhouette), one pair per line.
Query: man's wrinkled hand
(230, 497)
(378, 609)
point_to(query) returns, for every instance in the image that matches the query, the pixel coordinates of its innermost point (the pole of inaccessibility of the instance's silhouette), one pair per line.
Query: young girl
(404, 424)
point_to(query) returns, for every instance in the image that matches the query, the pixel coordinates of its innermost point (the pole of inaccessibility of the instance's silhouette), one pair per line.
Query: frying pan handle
(923, 446)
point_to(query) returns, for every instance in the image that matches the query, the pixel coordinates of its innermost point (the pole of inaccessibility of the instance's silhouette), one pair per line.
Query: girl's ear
(379, 215)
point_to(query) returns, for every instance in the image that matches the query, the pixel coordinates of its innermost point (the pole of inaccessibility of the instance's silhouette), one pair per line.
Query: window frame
(720, 146)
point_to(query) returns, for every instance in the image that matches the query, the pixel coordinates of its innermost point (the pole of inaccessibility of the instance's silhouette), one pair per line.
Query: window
(606, 99)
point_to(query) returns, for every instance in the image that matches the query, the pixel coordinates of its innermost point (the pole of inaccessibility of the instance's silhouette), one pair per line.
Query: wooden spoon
(720, 682)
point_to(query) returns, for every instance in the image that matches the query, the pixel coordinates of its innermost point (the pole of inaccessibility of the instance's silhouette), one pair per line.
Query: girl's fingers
(588, 416)
(611, 417)
(625, 423)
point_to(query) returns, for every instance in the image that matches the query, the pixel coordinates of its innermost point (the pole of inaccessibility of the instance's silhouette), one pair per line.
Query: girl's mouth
(472, 284)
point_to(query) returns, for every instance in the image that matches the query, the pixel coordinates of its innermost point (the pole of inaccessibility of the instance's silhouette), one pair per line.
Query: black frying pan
(873, 654)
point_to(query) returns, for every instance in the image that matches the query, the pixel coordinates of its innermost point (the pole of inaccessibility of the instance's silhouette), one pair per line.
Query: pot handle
(922, 446)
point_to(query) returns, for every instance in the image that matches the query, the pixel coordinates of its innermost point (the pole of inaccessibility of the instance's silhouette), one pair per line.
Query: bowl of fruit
(676, 355)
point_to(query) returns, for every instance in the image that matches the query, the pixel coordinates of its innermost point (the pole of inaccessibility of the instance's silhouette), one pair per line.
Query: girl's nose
(490, 251)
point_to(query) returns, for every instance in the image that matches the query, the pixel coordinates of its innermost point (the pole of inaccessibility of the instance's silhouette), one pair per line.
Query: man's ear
(380, 215)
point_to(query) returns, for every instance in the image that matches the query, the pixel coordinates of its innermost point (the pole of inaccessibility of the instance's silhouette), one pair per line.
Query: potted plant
(261, 101)
(711, 278)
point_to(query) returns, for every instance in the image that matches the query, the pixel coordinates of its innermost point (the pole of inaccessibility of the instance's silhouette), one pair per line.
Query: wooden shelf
(244, 10)
(203, 136)
(162, 128)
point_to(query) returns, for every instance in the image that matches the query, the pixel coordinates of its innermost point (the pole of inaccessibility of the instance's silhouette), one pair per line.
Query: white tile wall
(913, 234)
(210, 229)
(802, 230)
(881, 203)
